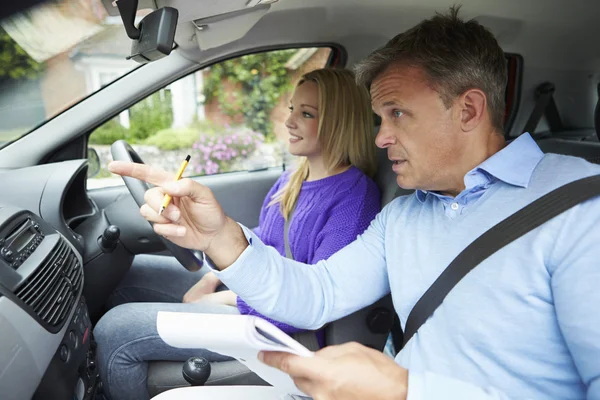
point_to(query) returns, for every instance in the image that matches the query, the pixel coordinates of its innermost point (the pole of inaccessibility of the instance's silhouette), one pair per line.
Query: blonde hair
(345, 130)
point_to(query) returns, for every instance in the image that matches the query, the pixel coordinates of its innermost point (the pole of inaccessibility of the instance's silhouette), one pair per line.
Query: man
(520, 325)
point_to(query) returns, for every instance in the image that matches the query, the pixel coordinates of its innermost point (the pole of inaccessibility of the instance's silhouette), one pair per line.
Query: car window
(54, 55)
(228, 117)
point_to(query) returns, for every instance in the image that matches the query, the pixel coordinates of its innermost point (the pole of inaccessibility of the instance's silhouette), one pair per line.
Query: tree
(263, 78)
(15, 63)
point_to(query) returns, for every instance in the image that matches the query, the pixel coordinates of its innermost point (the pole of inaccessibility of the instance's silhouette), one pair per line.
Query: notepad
(237, 336)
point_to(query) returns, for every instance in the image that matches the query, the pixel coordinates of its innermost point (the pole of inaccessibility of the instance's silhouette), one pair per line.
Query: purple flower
(217, 153)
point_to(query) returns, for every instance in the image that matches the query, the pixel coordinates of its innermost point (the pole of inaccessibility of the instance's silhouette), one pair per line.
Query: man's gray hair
(455, 55)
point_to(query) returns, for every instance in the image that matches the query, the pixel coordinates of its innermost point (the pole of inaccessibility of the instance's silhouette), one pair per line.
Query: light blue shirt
(525, 323)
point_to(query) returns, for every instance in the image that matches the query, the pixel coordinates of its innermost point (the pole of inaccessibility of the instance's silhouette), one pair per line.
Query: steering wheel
(122, 151)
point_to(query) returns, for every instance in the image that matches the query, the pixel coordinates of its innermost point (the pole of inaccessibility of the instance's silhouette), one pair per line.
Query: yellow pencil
(167, 198)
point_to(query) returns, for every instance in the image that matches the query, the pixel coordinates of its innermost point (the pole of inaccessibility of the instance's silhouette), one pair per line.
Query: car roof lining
(523, 27)
(557, 44)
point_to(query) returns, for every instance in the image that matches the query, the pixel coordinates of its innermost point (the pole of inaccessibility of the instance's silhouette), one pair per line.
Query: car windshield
(54, 55)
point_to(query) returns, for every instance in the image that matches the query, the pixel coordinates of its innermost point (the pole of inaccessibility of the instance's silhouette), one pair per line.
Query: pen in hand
(167, 198)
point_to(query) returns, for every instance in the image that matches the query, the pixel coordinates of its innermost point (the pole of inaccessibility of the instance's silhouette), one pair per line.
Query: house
(91, 53)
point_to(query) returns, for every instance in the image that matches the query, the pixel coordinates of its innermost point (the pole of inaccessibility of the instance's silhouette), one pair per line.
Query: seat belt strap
(505, 232)
(545, 105)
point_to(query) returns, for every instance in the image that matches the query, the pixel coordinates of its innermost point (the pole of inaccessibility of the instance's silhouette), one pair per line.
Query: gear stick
(109, 239)
(196, 371)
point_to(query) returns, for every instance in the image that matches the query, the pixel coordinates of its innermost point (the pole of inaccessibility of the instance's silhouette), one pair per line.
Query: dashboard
(55, 275)
(43, 316)
(55, 192)
(52, 229)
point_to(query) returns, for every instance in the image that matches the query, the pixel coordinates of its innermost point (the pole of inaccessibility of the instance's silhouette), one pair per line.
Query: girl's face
(303, 122)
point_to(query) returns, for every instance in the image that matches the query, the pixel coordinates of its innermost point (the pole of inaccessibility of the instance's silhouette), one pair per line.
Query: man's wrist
(227, 245)
(399, 379)
(402, 393)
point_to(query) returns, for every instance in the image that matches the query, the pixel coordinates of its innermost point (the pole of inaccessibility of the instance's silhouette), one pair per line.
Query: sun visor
(221, 29)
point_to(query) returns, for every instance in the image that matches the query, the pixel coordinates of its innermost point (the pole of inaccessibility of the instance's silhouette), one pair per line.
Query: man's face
(422, 136)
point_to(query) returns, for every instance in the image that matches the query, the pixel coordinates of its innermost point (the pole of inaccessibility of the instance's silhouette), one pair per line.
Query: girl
(324, 204)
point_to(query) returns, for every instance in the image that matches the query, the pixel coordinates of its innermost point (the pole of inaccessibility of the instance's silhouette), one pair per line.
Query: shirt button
(454, 206)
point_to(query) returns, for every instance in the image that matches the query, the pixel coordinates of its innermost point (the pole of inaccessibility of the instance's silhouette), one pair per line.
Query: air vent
(51, 290)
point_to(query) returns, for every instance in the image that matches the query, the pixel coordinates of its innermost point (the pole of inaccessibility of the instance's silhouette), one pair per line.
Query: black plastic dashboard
(46, 342)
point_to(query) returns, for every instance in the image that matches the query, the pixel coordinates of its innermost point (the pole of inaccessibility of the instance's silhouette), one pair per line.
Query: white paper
(235, 336)
(222, 393)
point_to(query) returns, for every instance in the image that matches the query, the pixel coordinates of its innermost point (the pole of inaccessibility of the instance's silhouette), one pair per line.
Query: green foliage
(109, 132)
(206, 127)
(149, 116)
(15, 63)
(146, 118)
(173, 138)
(262, 79)
(104, 173)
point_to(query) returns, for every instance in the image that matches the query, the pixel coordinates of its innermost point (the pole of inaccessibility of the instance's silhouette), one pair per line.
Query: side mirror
(93, 163)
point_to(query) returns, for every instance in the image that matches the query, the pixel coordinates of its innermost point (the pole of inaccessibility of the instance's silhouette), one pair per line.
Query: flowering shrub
(219, 153)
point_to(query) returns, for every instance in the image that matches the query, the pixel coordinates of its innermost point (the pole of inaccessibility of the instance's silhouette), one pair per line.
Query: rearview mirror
(155, 36)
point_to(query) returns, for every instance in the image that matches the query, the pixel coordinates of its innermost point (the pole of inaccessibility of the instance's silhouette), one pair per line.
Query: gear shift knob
(196, 371)
(109, 239)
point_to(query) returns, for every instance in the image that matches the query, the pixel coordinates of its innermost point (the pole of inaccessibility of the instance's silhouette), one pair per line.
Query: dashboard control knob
(64, 353)
(7, 254)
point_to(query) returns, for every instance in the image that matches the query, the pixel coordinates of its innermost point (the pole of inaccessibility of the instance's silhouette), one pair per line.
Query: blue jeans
(126, 335)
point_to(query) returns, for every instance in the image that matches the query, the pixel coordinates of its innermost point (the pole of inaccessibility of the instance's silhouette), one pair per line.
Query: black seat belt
(545, 105)
(518, 224)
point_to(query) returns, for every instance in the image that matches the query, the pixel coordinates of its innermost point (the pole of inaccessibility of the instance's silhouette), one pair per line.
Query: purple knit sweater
(329, 214)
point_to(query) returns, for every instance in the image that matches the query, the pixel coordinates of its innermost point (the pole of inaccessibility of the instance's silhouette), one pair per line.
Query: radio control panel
(19, 239)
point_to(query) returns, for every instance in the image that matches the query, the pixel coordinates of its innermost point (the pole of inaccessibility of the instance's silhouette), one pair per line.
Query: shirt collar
(514, 164)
